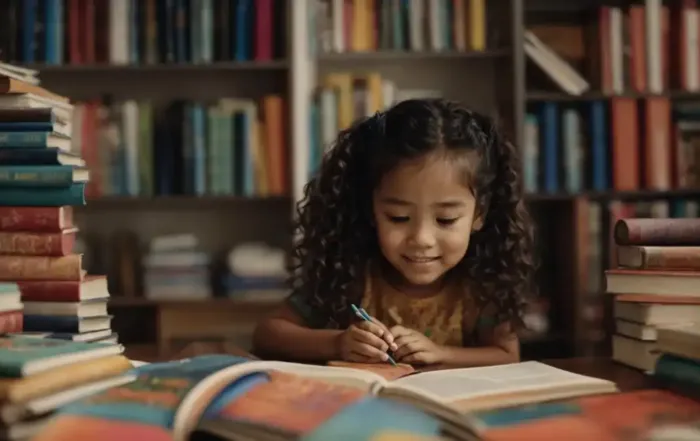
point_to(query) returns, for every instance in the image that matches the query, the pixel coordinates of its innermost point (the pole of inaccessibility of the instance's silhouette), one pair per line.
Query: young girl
(416, 216)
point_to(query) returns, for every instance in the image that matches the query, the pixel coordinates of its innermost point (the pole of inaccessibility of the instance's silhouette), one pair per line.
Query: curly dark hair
(336, 236)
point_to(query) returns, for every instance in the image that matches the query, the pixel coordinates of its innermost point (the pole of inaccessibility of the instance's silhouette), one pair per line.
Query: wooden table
(626, 378)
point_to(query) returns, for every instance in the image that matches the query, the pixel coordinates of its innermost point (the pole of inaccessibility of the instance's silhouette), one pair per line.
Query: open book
(446, 394)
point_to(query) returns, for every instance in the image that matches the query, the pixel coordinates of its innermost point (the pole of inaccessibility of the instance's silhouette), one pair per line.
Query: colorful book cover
(304, 408)
(377, 416)
(142, 410)
(640, 415)
(16, 352)
(281, 402)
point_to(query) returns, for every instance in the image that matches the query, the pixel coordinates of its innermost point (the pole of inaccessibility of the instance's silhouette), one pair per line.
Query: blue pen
(361, 313)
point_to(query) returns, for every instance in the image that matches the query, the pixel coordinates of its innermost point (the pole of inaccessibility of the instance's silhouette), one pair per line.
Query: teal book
(34, 139)
(24, 356)
(73, 195)
(32, 176)
(377, 416)
(8, 288)
(144, 409)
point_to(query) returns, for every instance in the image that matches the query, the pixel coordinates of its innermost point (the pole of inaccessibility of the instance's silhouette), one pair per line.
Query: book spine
(18, 268)
(51, 323)
(26, 127)
(31, 115)
(51, 291)
(24, 139)
(35, 219)
(36, 176)
(29, 156)
(661, 232)
(667, 258)
(11, 321)
(36, 244)
(44, 197)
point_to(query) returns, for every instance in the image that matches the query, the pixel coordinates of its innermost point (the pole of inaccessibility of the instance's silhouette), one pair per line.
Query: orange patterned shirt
(451, 317)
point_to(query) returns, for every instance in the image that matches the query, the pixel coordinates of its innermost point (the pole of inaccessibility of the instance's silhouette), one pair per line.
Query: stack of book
(38, 376)
(656, 286)
(40, 182)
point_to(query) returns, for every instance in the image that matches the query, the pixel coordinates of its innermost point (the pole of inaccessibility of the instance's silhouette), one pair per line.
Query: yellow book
(20, 390)
(375, 94)
(359, 26)
(259, 152)
(342, 83)
(477, 24)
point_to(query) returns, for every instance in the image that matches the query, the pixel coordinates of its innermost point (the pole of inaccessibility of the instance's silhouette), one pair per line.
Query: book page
(356, 377)
(463, 384)
(386, 370)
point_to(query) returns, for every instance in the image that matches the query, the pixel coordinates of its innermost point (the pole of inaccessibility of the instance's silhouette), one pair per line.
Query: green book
(8, 288)
(22, 356)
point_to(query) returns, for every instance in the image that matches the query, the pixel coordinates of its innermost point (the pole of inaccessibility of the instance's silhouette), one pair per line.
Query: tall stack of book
(656, 286)
(38, 376)
(40, 182)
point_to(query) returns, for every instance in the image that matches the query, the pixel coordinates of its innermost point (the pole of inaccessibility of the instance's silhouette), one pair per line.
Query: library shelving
(485, 68)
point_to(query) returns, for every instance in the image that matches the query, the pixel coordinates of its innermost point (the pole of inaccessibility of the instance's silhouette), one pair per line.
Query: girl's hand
(415, 348)
(366, 342)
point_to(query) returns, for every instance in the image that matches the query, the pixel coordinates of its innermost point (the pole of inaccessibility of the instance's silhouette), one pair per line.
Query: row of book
(639, 48)
(343, 97)
(393, 25)
(138, 148)
(142, 32)
(176, 268)
(657, 305)
(625, 144)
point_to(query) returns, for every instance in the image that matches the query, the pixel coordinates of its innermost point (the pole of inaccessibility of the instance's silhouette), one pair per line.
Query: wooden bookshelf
(493, 80)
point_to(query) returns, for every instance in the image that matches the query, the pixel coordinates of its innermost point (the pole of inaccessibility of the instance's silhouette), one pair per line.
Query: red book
(37, 244)
(92, 287)
(36, 219)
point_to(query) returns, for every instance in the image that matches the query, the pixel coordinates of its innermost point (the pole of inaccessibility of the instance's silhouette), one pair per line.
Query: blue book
(43, 197)
(65, 323)
(22, 356)
(32, 176)
(22, 126)
(30, 139)
(39, 156)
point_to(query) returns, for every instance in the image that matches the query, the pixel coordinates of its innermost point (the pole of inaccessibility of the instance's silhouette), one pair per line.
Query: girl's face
(424, 216)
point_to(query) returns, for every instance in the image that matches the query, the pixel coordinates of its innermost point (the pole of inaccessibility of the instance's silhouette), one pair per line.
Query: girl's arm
(500, 345)
(284, 334)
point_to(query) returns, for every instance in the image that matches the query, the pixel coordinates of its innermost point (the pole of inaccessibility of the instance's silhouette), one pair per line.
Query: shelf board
(647, 195)
(197, 202)
(410, 55)
(641, 195)
(241, 66)
(176, 202)
(215, 301)
(595, 96)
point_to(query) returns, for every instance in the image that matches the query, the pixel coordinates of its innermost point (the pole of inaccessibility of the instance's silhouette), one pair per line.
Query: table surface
(626, 378)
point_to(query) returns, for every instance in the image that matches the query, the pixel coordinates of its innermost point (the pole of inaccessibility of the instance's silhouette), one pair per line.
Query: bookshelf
(495, 80)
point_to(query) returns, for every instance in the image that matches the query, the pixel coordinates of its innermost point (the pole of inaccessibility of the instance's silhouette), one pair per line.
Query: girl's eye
(398, 219)
(443, 221)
